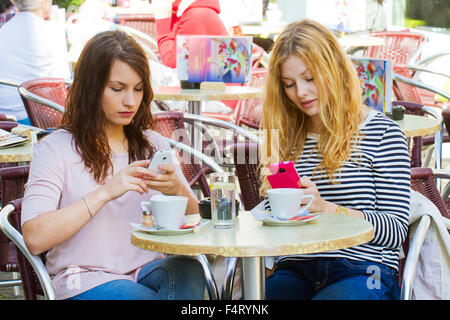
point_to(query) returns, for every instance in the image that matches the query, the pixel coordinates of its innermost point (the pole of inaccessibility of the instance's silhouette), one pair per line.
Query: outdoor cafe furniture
(253, 241)
(35, 272)
(416, 125)
(196, 96)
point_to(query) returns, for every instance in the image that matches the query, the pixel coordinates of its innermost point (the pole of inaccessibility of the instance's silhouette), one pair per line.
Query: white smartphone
(161, 157)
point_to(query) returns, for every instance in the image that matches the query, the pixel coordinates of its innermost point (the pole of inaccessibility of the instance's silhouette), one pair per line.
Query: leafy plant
(68, 3)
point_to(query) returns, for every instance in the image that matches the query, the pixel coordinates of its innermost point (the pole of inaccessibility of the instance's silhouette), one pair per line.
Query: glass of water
(223, 204)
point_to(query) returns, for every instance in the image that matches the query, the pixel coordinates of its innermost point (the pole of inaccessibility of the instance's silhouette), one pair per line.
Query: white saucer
(166, 231)
(270, 220)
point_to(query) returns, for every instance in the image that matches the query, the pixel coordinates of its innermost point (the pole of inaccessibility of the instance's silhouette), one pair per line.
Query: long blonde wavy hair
(339, 99)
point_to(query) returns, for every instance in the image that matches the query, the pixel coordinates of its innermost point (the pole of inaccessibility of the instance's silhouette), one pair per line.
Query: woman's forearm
(192, 206)
(54, 227)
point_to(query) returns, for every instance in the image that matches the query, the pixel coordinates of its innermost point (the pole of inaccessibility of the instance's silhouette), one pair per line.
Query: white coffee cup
(285, 202)
(168, 211)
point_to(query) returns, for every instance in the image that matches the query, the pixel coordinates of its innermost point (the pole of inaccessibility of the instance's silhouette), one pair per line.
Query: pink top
(101, 251)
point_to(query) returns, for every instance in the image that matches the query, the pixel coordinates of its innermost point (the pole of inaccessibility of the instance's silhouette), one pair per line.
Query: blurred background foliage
(68, 3)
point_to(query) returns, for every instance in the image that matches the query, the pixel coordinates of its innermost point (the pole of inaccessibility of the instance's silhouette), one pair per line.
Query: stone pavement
(10, 293)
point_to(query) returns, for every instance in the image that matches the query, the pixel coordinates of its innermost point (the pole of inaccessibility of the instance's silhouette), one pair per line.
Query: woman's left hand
(318, 204)
(168, 183)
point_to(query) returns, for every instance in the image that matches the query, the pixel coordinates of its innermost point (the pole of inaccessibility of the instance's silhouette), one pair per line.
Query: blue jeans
(171, 278)
(333, 279)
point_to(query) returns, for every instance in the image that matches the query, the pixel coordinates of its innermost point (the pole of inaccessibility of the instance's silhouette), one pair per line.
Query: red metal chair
(422, 181)
(144, 23)
(249, 111)
(407, 88)
(44, 99)
(402, 47)
(35, 278)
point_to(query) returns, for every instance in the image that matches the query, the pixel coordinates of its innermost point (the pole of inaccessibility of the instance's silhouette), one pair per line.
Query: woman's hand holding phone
(131, 178)
(168, 182)
(318, 204)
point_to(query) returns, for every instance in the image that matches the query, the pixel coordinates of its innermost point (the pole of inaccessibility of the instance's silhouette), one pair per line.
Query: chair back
(407, 92)
(246, 163)
(399, 46)
(249, 111)
(171, 125)
(8, 125)
(53, 89)
(144, 23)
(35, 278)
(423, 181)
(12, 182)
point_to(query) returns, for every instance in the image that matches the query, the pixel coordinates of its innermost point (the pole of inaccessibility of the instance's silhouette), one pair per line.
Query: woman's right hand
(131, 178)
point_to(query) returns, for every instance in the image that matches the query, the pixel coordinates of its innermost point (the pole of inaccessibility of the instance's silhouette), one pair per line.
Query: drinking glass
(223, 204)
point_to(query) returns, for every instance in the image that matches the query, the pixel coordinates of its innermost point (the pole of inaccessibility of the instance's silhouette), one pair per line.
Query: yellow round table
(413, 125)
(252, 241)
(194, 97)
(21, 153)
(198, 95)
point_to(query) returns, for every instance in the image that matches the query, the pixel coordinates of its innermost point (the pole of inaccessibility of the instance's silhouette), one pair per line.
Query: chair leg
(16, 277)
(230, 271)
(211, 285)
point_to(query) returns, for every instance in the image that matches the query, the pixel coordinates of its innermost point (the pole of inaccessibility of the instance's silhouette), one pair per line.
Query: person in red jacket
(187, 17)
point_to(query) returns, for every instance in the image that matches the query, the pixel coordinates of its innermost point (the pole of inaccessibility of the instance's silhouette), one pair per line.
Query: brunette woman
(87, 180)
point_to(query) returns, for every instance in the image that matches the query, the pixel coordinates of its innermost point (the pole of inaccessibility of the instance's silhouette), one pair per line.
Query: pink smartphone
(283, 175)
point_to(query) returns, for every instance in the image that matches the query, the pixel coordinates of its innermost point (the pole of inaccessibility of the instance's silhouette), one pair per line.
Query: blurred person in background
(375, 15)
(187, 17)
(7, 11)
(184, 17)
(29, 51)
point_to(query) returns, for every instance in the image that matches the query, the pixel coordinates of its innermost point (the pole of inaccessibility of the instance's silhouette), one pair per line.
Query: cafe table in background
(22, 153)
(194, 97)
(252, 241)
(420, 126)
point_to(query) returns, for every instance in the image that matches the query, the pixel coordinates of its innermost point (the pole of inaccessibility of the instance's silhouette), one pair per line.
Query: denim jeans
(333, 279)
(171, 278)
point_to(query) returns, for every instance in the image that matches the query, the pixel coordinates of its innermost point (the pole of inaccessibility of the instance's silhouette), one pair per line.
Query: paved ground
(10, 293)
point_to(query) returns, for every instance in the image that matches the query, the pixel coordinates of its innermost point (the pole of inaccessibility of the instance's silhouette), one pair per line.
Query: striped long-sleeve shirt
(375, 181)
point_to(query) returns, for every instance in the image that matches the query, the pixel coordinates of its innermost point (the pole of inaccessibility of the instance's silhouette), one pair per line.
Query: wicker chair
(35, 278)
(249, 111)
(172, 126)
(44, 99)
(402, 47)
(423, 181)
(245, 112)
(12, 181)
(246, 162)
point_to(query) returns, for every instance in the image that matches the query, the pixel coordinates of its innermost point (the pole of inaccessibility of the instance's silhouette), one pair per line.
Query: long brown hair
(84, 116)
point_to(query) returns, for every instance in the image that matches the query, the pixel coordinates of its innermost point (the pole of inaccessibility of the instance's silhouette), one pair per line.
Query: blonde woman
(353, 159)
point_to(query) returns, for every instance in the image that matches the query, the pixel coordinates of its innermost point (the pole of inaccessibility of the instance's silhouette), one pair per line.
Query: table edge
(253, 251)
